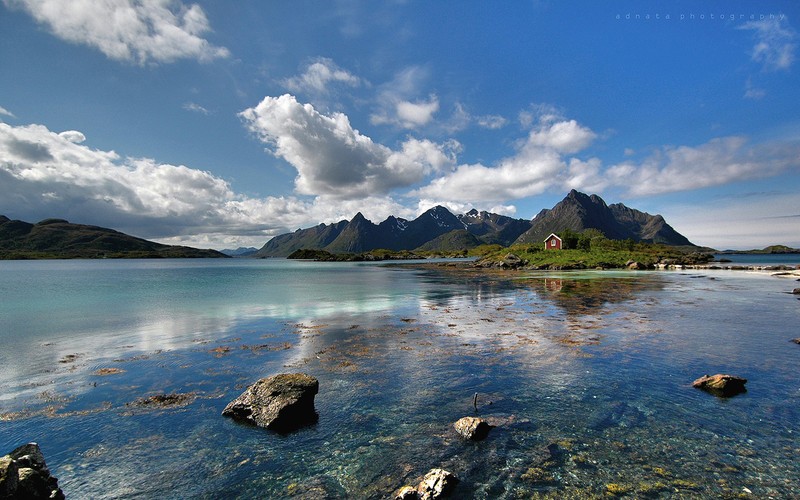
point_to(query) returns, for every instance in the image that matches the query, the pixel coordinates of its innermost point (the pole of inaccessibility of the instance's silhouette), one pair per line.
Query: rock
(796, 341)
(9, 476)
(721, 385)
(283, 402)
(635, 266)
(30, 455)
(796, 291)
(406, 493)
(437, 483)
(511, 261)
(472, 428)
(24, 474)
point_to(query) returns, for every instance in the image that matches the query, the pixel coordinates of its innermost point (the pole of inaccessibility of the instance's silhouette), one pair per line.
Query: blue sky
(219, 124)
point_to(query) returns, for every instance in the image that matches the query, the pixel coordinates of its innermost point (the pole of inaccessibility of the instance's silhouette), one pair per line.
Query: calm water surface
(587, 375)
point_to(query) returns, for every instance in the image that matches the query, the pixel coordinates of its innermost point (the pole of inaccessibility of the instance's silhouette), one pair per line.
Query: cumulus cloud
(334, 159)
(318, 76)
(5, 112)
(538, 164)
(47, 174)
(775, 43)
(719, 161)
(139, 31)
(415, 114)
(562, 136)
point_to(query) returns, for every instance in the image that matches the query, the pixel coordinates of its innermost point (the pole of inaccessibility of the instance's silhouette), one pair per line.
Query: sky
(221, 124)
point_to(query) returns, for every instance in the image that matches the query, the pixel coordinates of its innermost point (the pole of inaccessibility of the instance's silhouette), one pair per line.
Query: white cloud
(416, 114)
(398, 103)
(462, 119)
(73, 136)
(492, 122)
(562, 136)
(334, 159)
(742, 221)
(140, 31)
(318, 76)
(753, 92)
(45, 174)
(196, 108)
(5, 112)
(775, 43)
(538, 164)
(717, 162)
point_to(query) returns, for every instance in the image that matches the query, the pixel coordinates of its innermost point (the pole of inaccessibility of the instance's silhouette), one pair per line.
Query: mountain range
(440, 230)
(58, 238)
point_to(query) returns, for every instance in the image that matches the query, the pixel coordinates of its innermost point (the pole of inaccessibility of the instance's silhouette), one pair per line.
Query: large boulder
(721, 385)
(473, 428)
(283, 402)
(24, 474)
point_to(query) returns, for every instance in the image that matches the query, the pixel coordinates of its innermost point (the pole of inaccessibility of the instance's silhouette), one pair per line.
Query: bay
(587, 376)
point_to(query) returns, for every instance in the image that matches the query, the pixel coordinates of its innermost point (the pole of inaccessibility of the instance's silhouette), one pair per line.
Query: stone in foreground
(24, 474)
(721, 385)
(438, 483)
(473, 428)
(283, 402)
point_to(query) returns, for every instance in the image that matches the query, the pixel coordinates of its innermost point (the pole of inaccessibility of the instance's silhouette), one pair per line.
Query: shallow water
(587, 376)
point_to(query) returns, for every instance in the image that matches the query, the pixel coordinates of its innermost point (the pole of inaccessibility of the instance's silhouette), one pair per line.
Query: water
(586, 374)
(745, 259)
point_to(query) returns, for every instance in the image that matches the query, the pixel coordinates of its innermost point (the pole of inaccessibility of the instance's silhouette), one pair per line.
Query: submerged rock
(721, 385)
(472, 428)
(615, 414)
(24, 474)
(283, 402)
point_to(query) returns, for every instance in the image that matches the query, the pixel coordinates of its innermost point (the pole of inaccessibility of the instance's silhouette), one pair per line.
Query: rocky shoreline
(514, 263)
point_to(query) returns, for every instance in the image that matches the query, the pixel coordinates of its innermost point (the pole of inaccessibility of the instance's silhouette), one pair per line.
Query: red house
(552, 242)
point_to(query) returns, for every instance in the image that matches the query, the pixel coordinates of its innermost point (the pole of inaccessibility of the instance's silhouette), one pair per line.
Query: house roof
(553, 235)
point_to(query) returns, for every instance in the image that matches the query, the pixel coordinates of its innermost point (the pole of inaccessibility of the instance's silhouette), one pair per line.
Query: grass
(605, 254)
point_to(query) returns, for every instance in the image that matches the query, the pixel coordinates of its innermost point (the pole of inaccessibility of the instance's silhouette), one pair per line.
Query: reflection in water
(586, 376)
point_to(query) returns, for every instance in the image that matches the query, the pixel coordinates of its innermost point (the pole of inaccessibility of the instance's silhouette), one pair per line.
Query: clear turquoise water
(588, 375)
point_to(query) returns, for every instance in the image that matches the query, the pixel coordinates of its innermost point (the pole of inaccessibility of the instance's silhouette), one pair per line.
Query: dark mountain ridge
(394, 233)
(58, 238)
(578, 212)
